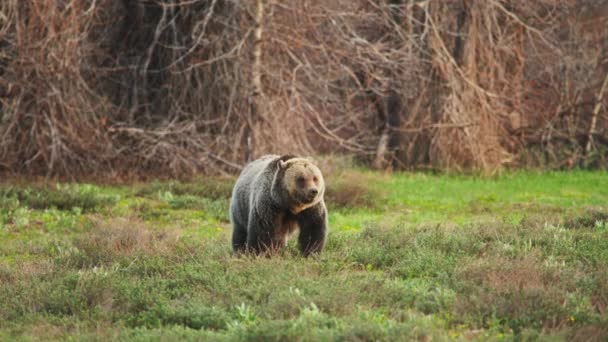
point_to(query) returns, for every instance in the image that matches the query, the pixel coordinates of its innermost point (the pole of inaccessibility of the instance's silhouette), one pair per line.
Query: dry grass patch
(519, 293)
(25, 270)
(352, 190)
(124, 237)
(587, 219)
(599, 299)
(506, 276)
(590, 333)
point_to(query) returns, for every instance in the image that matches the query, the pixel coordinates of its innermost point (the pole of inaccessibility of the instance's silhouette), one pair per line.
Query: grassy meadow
(410, 256)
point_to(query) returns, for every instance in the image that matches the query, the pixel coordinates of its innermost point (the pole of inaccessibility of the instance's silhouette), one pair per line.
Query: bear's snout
(312, 193)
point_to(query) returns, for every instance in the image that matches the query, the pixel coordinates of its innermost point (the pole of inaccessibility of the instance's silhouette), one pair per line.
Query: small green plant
(244, 316)
(21, 217)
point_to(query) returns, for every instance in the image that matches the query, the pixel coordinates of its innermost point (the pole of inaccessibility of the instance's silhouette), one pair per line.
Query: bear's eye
(315, 178)
(300, 180)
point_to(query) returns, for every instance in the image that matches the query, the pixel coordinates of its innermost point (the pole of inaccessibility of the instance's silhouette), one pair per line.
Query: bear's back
(253, 172)
(255, 179)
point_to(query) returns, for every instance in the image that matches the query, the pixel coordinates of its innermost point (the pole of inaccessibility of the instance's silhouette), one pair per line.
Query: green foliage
(436, 257)
(211, 188)
(86, 197)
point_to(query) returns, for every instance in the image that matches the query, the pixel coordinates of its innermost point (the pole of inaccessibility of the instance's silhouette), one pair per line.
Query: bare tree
(173, 87)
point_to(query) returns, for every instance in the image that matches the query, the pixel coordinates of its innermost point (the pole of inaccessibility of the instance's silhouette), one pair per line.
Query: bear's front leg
(313, 229)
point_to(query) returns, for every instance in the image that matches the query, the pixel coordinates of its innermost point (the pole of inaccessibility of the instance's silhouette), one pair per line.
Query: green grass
(521, 256)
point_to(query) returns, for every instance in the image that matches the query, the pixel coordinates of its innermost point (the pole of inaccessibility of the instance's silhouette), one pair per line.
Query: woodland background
(180, 87)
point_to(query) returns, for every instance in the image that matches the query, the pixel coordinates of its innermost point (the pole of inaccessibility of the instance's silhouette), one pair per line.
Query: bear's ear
(282, 164)
(312, 160)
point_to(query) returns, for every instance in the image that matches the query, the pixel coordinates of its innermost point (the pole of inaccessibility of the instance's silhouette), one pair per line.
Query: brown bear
(273, 196)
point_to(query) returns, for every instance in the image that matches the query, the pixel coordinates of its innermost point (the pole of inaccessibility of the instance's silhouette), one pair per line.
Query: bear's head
(300, 184)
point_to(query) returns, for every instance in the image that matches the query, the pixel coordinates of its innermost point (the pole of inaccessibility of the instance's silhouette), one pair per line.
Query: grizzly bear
(273, 196)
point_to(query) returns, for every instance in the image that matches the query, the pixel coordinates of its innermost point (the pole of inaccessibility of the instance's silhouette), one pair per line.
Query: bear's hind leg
(239, 238)
(264, 242)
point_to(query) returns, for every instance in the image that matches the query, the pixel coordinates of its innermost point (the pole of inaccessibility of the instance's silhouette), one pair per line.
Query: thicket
(177, 87)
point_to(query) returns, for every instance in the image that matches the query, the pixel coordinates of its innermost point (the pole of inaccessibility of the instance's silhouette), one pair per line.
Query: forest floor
(409, 256)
